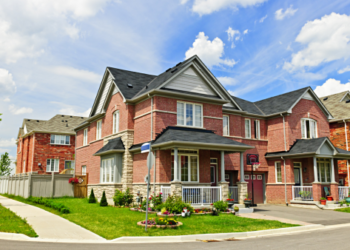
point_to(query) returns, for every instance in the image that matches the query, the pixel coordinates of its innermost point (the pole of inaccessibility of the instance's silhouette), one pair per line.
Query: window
(107, 170)
(83, 170)
(85, 139)
(324, 169)
(246, 177)
(226, 128)
(278, 171)
(24, 166)
(308, 128)
(248, 133)
(257, 129)
(60, 139)
(116, 122)
(69, 165)
(98, 129)
(52, 165)
(188, 163)
(189, 114)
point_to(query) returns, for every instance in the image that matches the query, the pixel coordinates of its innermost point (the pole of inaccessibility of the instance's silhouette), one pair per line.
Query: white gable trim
(330, 144)
(346, 94)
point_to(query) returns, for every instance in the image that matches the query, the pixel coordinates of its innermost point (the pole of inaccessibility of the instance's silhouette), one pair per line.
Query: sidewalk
(48, 225)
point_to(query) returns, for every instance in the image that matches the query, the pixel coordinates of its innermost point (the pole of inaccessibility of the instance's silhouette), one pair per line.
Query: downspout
(285, 180)
(284, 133)
(347, 149)
(33, 153)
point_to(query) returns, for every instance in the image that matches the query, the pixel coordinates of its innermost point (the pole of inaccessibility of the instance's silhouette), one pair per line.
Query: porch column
(332, 171)
(315, 170)
(176, 186)
(222, 166)
(242, 185)
(176, 166)
(334, 185)
(242, 167)
(223, 183)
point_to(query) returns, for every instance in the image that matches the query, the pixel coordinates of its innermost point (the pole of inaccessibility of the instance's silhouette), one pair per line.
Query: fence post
(201, 189)
(29, 185)
(52, 184)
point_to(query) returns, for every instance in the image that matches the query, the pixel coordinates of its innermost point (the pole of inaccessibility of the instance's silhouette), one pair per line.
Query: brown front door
(80, 189)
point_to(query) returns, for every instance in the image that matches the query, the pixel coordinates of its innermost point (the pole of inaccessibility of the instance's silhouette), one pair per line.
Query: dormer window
(308, 128)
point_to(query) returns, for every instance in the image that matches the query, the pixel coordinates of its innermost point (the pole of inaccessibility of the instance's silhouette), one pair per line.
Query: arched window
(308, 128)
(116, 122)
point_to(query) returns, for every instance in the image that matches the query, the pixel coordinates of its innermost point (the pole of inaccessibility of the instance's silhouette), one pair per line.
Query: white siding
(104, 95)
(190, 81)
(308, 96)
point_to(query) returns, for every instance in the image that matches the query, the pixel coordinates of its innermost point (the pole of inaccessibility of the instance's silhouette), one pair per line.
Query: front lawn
(110, 222)
(344, 210)
(11, 223)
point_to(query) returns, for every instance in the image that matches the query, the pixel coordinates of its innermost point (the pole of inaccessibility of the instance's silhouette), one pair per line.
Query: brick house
(205, 140)
(48, 146)
(339, 105)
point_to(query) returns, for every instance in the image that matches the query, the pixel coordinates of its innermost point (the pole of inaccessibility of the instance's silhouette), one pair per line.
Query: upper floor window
(226, 128)
(60, 139)
(248, 132)
(189, 114)
(85, 139)
(257, 129)
(99, 129)
(116, 122)
(308, 128)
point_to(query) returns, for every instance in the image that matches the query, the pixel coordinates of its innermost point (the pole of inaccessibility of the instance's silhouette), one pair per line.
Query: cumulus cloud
(280, 15)
(332, 86)
(76, 73)
(71, 111)
(227, 81)
(7, 99)
(7, 85)
(263, 19)
(7, 143)
(20, 111)
(210, 52)
(245, 32)
(346, 69)
(204, 7)
(326, 39)
(232, 35)
(27, 26)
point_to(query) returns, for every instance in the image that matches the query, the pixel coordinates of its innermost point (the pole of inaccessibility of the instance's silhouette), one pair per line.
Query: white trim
(214, 167)
(303, 120)
(327, 178)
(179, 154)
(56, 164)
(301, 171)
(347, 93)
(112, 170)
(250, 128)
(116, 114)
(228, 125)
(193, 114)
(99, 129)
(257, 131)
(59, 140)
(276, 171)
(83, 172)
(85, 136)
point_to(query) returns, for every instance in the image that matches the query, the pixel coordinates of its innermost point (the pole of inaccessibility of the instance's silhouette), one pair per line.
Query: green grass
(11, 223)
(110, 222)
(344, 210)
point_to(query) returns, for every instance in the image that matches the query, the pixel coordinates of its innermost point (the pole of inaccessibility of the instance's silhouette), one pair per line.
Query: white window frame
(72, 164)
(85, 137)
(116, 119)
(193, 114)
(248, 136)
(228, 125)
(324, 161)
(83, 170)
(276, 176)
(58, 139)
(98, 129)
(56, 165)
(112, 171)
(303, 127)
(257, 129)
(189, 164)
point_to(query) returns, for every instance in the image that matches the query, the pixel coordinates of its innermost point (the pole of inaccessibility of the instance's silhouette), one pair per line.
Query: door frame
(300, 171)
(215, 166)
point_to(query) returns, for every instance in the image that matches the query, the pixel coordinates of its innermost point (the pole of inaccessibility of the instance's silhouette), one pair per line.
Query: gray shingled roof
(115, 144)
(248, 106)
(57, 124)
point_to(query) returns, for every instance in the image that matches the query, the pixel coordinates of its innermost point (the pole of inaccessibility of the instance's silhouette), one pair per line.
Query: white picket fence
(233, 190)
(302, 193)
(201, 195)
(343, 192)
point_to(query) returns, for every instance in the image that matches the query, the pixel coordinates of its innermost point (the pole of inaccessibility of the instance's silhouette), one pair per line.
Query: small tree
(0, 117)
(103, 202)
(5, 163)
(92, 198)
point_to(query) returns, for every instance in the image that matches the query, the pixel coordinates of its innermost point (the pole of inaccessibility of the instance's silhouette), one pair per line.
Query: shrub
(103, 202)
(128, 197)
(174, 204)
(49, 203)
(122, 198)
(92, 198)
(221, 205)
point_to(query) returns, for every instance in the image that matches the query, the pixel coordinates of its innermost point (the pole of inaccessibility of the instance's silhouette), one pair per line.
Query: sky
(53, 53)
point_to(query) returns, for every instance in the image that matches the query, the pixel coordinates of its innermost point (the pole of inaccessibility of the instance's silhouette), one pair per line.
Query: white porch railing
(233, 193)
(343, 192)
(201, 195)
(302, 193)
(166, 191)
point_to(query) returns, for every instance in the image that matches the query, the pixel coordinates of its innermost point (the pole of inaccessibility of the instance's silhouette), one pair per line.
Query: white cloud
(7, 99)
(76, 73)
(7, 85)
(332, 86)
(203, 7)
(263, 19)
(227, 81)
(346, 69)
(71, 111)
(8, 143)
(232, 35)
(231, 92)
(209, 51)
(27, 26)
(326, 39)
(280, 15)
(19, 111)
(245, 32)
(183, 1)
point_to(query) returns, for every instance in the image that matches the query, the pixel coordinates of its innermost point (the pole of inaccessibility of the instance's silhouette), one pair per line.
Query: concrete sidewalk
(48, 225)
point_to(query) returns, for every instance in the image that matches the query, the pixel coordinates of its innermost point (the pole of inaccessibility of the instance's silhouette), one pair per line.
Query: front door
(297, 173)
(212, 175)
(256, 181)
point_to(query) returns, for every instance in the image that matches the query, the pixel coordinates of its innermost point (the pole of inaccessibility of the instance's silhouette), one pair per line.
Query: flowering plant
(230, 200)
(73, 180)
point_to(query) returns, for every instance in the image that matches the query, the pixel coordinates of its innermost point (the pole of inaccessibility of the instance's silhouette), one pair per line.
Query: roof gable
(337, 105)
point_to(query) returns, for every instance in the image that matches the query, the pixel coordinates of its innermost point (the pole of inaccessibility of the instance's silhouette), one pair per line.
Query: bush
(221, 206)
(92, 198)
(103, 202)
(49, 203)
(122, 199)
(174, 204)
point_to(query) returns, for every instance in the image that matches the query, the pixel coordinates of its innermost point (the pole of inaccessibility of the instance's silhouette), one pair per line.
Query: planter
(347, 199)
(160, 226)
(329, 198)
(230, 204)
(247, 203)
(183, 214)
(323, 202)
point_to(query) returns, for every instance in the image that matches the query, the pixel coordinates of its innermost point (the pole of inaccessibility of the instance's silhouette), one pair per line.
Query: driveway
(313, 216)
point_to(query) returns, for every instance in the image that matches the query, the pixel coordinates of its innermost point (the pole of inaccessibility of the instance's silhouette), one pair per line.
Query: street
(319, 239)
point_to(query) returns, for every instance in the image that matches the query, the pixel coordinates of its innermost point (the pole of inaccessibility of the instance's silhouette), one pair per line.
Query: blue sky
(53, 53)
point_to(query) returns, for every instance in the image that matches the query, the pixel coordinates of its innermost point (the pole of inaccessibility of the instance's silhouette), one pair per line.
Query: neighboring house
(203, 137)
(339, 105)
(48, 146)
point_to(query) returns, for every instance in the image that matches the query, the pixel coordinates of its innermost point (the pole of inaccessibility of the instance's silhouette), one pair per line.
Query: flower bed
(160, 223)
(142, 211)
(209, 211)
(169, 215)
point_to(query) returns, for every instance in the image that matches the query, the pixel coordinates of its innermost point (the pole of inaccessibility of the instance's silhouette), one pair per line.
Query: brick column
(334, 191)
(242, 191)
(224, 190)
(316, 191)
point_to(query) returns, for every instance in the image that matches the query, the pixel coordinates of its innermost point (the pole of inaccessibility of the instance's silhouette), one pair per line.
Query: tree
(103, 202)
(92, 198)
(5, 163)
(0, 117)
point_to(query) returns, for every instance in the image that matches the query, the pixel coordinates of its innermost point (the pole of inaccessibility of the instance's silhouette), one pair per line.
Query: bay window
(308, 128)
(226, 128)
(248, 132)
(188, 164)
(52, 165)
(189, 114)
(107, 170)
(60, 139)
(324, 169)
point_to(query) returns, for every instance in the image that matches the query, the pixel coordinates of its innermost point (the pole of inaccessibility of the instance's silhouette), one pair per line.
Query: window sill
(54, 144)
(183, 126)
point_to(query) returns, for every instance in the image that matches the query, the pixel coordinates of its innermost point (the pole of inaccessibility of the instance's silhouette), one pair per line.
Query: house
(339, 105)
(46, 147)
(208, 145)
